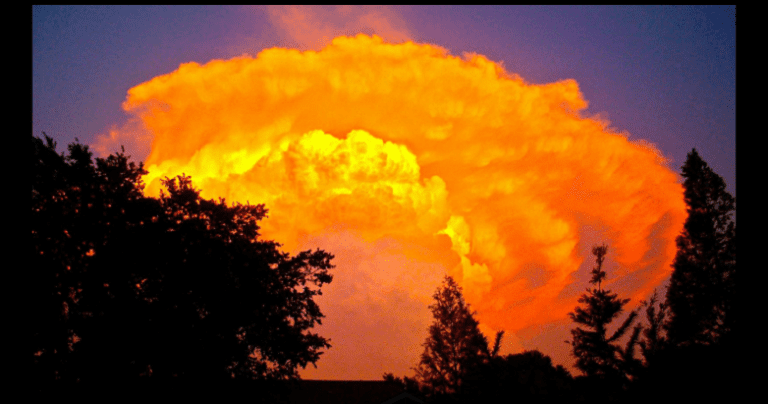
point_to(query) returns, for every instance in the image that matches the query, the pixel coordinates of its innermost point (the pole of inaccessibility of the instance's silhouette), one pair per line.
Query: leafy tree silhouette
(701, 294)
(527, 377)
(455, 344)
(407, 384)
(597, 354)
(179, 286)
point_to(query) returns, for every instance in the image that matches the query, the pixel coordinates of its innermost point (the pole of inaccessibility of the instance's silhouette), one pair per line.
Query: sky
(495, 144)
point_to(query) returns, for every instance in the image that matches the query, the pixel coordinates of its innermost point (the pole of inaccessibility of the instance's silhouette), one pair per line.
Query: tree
(701, 293)
(455, 344)
(696, 358)
(597, 354)
(180, 286)
(526, 377)
(407, 384)
(654, 339)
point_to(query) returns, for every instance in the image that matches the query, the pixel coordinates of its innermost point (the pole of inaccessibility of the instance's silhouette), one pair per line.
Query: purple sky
(666, 74)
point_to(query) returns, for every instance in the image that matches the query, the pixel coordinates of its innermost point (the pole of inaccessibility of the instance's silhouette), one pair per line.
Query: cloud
(132, 136)
(409, 163)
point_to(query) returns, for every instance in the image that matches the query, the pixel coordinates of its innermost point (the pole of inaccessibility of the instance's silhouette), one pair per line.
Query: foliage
(701, 293)
(455, 344)
(529, 376)
(688, 344)
(654, 339)
(597, 354)
(497, 344)
(179, 286)
(407, 384)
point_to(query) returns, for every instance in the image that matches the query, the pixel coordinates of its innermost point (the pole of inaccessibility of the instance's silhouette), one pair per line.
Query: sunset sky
(494, 144)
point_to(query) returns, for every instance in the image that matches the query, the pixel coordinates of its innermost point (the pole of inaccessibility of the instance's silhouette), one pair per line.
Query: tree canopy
(689, 342)
(180, 286)
(527, 377)
(701, 292)
(455, 344)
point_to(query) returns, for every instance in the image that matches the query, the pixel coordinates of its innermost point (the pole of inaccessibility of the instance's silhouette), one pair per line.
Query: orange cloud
(408, 163)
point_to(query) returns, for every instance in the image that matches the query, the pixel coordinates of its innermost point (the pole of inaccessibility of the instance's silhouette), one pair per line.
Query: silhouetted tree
(178, 286)
(597, 354)
(525, 377)
(701, 292)
(497, 344)
(651, 380)
(689, 342)
(654, 338)
(407, 384)
(455, 344)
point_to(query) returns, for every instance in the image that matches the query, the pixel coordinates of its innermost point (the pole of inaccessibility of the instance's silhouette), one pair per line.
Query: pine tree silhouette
(701, 294)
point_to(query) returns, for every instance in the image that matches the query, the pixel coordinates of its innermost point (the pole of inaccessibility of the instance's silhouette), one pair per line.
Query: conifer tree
(654, 340)
(702, 287)
(455, 343)
(597, 354)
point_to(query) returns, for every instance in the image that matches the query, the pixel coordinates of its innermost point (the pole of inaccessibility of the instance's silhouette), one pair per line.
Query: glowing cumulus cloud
(407, 163)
